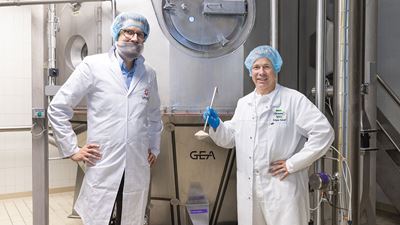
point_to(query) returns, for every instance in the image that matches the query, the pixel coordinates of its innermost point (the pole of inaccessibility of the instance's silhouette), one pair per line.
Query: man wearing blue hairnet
(278, 133)
(124, 126)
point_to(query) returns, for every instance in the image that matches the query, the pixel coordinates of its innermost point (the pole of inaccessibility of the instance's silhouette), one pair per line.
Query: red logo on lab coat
(146, 94)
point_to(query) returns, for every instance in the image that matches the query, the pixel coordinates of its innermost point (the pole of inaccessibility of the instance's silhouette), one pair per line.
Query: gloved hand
(213, 118)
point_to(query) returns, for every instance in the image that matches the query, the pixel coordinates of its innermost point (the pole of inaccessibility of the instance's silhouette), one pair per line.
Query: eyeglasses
(129, 34)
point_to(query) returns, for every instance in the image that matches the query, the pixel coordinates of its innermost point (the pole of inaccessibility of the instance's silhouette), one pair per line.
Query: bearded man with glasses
(124, 126)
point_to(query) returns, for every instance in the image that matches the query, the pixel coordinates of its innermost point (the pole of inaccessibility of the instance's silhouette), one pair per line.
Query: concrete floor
(385, 218)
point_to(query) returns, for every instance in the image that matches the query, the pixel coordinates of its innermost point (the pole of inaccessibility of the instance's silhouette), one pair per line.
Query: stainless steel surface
(320, 88)
(113, 8)
(225, 7)
(383, 125)
(274, 23)
(184, 161)
(388, 160)
(356, 69)
(201, 33)
(388, 69)
(348, 72)
(40, 154)
(193, 79)
(34, 2)
(99, 21)
(368, 197)
(79, 36)
(388, 90)
(52, 27)
(340, 107)
(320, 55)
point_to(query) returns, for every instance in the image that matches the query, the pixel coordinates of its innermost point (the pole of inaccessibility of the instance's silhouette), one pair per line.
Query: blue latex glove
(213, 118)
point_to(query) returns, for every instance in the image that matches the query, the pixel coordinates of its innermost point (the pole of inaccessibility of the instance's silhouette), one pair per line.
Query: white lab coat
(125, 123)
(289, 128)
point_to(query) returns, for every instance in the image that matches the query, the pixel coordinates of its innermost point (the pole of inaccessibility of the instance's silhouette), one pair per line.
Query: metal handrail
(397, 100)
(388, 89)
(15, 129)
(388, 136)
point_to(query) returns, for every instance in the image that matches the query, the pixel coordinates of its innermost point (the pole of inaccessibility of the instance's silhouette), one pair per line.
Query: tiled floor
(18, 211)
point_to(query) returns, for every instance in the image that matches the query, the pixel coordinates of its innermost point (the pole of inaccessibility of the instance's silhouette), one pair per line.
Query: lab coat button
(251, 137)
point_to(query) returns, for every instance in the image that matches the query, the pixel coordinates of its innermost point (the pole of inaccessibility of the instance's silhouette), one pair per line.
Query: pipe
(274, 25)
(356, 70)
(15, 129)
(367, 206)
(114, 8)
(44, 2)
(320, 55)
(320, 88)
(340, 106)
(349, 68)
(52, 24)
(99, 36)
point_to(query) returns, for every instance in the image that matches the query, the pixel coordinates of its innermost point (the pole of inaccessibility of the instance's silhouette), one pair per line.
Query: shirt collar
(272, 96)
(122, 64)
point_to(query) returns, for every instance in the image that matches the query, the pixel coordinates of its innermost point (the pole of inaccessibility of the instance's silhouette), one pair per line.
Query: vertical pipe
(320, 87)
(51, 35)
(340, 93)
(356, 70)
(320, 55)
(274, 26)
(114, 8)
(99, 21)
(40, 163)
(371, 21)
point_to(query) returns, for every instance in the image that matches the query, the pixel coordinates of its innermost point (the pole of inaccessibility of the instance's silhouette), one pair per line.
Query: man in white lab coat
(278, 133)
(124, 126)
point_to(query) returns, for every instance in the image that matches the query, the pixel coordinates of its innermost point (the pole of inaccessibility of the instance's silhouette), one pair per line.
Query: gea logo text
(202, 155)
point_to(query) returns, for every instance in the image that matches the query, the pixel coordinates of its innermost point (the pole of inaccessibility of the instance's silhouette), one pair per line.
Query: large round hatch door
(206, 28)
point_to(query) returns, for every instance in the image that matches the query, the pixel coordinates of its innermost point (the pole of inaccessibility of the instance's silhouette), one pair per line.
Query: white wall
(16, 92)
(15, 110)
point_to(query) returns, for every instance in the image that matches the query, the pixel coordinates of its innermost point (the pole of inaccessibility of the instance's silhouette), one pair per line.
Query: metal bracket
(224, 7)
(364, 88)
(51, 90)
(38, 113)
(369, 131)
(369, 149)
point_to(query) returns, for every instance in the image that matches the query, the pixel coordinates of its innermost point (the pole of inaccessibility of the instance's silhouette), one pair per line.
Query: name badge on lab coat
(279, 116)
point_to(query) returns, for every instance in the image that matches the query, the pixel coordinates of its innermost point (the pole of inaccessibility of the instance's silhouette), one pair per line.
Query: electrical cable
(319, 203)
(345, 179)
(40, 133)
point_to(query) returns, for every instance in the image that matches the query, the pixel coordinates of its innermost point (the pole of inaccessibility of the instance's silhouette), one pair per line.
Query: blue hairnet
(264, 51)
(129, 19)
